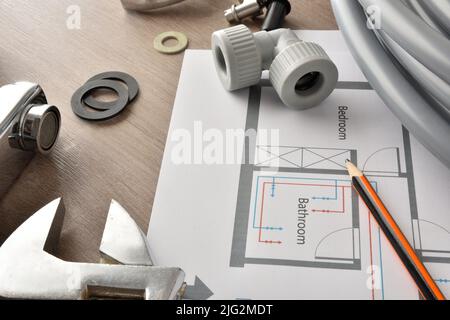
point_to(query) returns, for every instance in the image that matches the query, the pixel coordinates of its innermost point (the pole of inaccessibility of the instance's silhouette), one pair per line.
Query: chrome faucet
(28, 125)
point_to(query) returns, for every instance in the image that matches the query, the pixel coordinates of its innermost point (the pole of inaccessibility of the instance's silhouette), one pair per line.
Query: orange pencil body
(401, 245)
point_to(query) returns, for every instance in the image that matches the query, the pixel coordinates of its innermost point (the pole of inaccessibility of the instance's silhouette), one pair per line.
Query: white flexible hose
(407, 61)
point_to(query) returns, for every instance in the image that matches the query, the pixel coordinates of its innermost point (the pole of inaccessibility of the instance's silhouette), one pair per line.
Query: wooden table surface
(118, 159)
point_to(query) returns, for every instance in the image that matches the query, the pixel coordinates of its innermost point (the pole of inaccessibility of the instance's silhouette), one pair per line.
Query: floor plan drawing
(274, 178)
(283, 222)
(273, 191)
(333, 243)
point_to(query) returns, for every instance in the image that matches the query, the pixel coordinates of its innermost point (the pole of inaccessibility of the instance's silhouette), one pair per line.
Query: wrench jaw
(28, 270)
(54, 233)
(40, 232)
(123, 242)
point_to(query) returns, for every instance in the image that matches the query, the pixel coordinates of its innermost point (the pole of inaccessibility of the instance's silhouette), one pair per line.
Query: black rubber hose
(277, 11)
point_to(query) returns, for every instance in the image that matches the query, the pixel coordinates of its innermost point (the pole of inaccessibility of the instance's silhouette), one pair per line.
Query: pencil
(425, 283)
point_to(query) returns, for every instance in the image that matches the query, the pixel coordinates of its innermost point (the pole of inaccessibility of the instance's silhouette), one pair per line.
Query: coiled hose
(403, 48)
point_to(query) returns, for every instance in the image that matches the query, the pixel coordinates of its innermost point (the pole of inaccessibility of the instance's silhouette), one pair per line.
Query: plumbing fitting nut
(301, 73)
(238, 60)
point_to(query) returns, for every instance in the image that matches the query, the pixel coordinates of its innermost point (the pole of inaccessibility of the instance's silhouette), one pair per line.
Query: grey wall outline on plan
(445, 258)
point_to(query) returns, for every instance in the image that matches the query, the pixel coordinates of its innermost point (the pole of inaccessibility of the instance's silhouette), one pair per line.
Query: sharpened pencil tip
(353, 170)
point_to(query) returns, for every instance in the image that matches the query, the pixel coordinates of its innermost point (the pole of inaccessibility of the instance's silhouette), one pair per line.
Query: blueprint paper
(239, 232)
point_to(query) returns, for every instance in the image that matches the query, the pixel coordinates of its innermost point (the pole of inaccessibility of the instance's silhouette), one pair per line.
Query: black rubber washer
(129, 81)
(78, 103)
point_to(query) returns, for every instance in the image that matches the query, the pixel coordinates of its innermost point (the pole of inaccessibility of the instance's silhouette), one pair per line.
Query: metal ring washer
(182, 44)
(78, 105)
(130, 82)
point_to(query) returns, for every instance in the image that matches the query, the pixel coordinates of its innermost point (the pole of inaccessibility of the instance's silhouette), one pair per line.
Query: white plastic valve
(301, 72)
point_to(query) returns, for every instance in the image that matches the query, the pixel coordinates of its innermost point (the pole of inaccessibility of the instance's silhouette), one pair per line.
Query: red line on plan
(307, 184)
(260, 240)
(333, 211)
(318, 185)
(262, 210)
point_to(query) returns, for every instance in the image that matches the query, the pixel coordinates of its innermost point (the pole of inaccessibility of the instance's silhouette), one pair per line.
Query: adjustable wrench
(28, 270)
